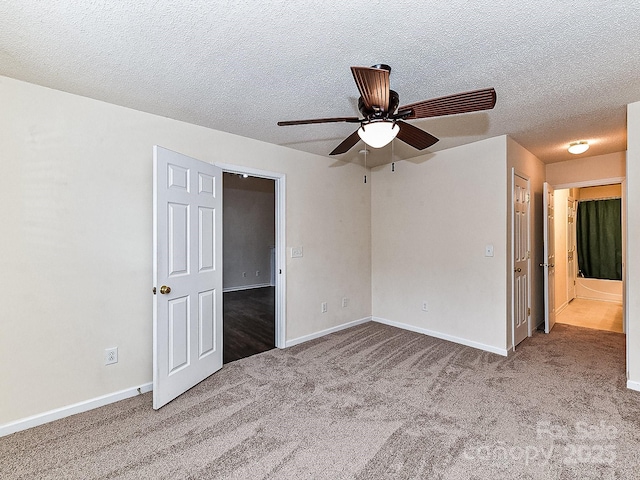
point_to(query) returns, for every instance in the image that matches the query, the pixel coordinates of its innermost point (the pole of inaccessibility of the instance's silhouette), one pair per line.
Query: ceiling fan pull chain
(365, 164)
(393, 164)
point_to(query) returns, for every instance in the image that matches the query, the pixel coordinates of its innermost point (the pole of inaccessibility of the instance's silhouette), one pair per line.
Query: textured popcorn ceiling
(562, 70)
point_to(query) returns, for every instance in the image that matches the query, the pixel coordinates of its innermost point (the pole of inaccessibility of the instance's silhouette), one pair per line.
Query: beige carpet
(592, 314)
(371, 402)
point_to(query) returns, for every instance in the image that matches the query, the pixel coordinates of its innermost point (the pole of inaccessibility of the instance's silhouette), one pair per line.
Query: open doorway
(188, 269)
(249, 244)
(588, 272)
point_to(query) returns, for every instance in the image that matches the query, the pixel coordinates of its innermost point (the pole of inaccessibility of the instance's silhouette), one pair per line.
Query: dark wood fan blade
(320, 120)
(346, 144)
(473, 101)
(373, 84)
(415, 136)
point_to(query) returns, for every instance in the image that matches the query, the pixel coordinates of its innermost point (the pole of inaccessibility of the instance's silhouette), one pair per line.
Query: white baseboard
(58, 413)
(613, 299)
(246, 287)
(633, 385)
(443, 336)
(322, 333)
(561, 308)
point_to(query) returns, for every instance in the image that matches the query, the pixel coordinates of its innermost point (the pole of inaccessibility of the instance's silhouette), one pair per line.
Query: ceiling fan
(383, 120)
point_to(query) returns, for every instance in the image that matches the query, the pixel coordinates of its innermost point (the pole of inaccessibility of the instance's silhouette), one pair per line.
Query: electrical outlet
(296, 252)
(111, 356)
(323, 307)
(257, 273)
(425, 307)
(345, 302)
(244, 274)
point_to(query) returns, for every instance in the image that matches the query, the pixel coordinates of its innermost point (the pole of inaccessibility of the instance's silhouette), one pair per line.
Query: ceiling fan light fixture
(383, 118)
(578, 147)
(378, 134)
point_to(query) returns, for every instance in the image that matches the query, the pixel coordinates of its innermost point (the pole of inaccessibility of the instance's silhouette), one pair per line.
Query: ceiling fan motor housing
(382, 66)
(372, 113)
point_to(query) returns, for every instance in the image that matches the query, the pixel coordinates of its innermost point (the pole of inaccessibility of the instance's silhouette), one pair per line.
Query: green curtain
(599, 239)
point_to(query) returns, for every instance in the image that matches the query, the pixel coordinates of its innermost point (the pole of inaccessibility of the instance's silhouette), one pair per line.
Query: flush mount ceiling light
(378, 134)
(578, 147)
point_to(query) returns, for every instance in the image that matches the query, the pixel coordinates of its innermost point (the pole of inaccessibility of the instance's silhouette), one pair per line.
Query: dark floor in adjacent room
(249, 322)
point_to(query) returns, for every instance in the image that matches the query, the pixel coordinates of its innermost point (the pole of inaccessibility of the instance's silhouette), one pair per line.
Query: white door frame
(514, 172)
(625, 292)
(280, 206)
(625, 288)
(571, 243)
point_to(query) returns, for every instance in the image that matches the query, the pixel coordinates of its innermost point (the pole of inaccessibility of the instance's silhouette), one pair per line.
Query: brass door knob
(164, 289)
(518, 270)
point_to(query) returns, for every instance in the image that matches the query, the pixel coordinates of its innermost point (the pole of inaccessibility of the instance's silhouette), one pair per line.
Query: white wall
(76, 189)
(527, 164)
(600, 192)
(249, 230)
(431, 220)
(587, 170)
(633, 243)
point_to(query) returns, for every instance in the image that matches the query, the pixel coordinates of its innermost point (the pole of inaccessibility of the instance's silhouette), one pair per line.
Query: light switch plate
(488, 251)
(296, 252)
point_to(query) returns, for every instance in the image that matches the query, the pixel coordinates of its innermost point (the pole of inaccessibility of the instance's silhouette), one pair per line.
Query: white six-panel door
(521, 259)
(187, 249)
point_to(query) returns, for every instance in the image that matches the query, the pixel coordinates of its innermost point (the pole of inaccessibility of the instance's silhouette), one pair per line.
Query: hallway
(592, 314)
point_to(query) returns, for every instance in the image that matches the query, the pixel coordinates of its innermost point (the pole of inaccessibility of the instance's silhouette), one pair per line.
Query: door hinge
(528, 254)
(154, 290)
(528, 196)
(529, 312)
